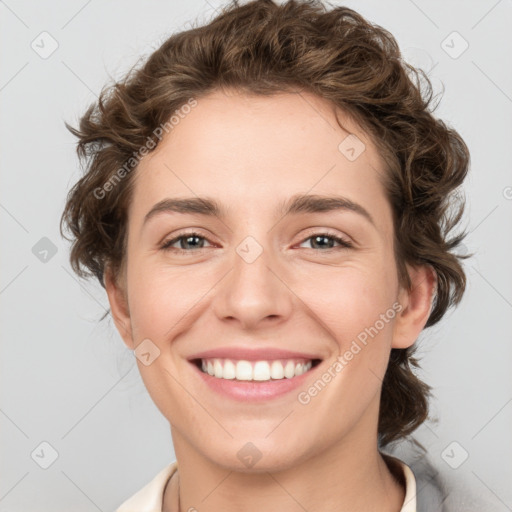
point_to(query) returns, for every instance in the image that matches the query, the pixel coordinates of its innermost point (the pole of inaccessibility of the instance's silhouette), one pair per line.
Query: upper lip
(252, 354)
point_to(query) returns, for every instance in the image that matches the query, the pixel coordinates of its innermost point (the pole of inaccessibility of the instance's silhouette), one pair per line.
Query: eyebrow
(297, 204)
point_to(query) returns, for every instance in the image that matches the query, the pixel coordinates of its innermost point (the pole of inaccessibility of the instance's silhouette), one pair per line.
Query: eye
(186, 240)
(191, 242)
(319, 240)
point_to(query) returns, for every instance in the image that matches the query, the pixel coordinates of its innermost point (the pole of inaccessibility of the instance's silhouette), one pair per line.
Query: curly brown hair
(263, 48)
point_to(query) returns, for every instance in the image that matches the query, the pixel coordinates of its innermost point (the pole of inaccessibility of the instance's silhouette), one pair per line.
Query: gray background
(69, 381)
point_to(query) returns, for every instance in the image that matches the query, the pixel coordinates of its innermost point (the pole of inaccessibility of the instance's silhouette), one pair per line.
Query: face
(311, 285)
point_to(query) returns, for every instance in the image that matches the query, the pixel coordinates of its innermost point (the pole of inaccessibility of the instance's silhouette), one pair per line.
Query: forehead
(249, 150)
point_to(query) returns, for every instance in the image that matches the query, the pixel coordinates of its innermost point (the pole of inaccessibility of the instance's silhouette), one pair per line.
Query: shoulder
(437, 487)
(149, 498)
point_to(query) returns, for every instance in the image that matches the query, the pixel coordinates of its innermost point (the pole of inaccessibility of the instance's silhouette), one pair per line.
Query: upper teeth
(255, 370)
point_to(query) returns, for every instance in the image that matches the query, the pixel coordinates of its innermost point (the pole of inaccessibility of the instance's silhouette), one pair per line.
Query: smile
(243, 370)
(249, 388)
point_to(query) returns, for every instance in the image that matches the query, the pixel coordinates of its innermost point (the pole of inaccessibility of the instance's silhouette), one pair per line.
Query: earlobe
(116, 293)
(416, 305)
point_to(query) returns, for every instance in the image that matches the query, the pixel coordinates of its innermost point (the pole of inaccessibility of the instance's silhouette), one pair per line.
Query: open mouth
(257, 371)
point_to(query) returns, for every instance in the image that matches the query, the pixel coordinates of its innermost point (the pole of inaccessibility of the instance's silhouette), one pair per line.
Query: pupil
(316, 238)
(187, 240)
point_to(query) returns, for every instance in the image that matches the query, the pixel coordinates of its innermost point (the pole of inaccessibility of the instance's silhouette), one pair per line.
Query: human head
(263, 49)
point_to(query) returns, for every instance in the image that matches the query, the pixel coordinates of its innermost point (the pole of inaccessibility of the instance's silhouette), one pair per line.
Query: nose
(254, 293)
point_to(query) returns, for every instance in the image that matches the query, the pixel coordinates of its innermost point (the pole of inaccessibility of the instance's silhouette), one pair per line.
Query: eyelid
(344, 241)
(189, 231)
(319, 231)
(168, 241)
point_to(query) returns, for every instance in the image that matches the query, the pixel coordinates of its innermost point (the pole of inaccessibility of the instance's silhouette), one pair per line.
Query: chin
(254, 458)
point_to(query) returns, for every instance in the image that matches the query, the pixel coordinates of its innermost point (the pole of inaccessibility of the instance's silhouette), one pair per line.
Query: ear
(117, 297)
(416, 305)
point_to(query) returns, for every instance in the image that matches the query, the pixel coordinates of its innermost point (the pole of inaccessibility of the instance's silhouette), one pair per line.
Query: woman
(269, 204)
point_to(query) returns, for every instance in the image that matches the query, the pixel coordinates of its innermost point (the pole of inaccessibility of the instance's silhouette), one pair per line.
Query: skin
(250, 153)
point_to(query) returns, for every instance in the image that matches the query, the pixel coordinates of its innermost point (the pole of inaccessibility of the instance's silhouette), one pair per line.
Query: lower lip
(249, 391)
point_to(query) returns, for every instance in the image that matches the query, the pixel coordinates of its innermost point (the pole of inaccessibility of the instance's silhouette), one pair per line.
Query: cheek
(159, 298)
(355, 306)
(358, 309)
(348, 299)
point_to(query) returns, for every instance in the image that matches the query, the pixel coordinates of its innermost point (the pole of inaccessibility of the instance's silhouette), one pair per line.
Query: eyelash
(166, 246)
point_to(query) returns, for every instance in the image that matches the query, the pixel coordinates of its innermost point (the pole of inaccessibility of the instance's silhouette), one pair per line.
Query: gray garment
(436, 490)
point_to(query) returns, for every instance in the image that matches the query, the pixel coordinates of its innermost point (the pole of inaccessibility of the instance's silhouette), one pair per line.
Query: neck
(346, 477)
